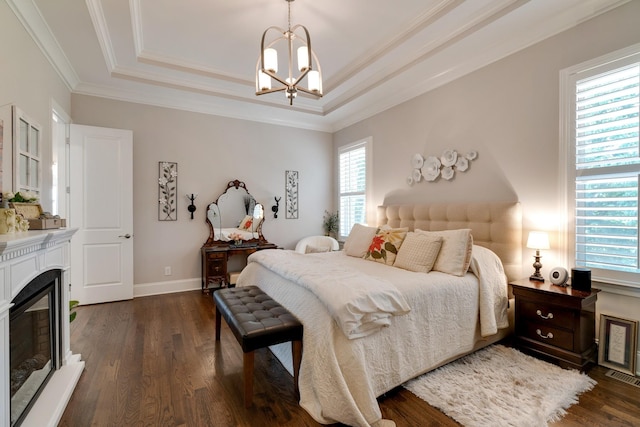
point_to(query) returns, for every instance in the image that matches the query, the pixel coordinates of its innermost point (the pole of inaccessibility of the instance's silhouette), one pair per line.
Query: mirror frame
(212, 241)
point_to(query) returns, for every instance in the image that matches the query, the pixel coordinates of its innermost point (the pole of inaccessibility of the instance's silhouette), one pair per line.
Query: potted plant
(72, 313)
(331, 223)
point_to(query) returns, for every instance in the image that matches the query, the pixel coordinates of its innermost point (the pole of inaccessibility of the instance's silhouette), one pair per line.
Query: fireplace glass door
(32, 344)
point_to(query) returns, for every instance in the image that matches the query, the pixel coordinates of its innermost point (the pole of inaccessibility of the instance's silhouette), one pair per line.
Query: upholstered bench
(257, 321)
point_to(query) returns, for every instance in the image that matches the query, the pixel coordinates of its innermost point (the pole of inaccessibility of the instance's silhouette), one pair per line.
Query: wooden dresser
(214, 262)
(556, 323)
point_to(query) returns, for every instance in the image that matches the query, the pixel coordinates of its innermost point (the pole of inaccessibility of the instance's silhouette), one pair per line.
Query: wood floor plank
(154, 361)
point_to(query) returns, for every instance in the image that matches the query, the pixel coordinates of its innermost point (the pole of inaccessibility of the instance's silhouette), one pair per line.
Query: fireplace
(34, 341)
(38, 371)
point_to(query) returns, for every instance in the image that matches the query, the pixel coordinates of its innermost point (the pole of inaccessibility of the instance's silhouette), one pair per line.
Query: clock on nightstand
(556, 323)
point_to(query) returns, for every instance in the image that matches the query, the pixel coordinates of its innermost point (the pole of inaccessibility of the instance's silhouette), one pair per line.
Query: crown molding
(31, 19)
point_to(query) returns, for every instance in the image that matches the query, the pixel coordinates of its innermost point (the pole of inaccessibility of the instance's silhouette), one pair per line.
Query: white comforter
(341, 378)
(361, 304)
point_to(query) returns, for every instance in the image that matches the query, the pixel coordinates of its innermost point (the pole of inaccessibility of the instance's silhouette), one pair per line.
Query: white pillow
(455, 254)
(310, 249)
(418, 252)
(359, 240)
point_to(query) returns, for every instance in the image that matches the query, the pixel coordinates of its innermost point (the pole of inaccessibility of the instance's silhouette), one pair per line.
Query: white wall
(210, 151)
(28, 81)
(508, 112)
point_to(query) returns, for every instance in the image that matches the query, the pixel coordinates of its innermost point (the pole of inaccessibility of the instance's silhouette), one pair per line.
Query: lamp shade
(538, 240)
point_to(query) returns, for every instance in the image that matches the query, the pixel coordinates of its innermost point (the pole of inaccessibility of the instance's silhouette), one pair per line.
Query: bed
(430, 319)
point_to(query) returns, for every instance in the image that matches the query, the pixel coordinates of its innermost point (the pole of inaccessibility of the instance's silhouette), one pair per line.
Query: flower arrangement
(20, 197)
(236, 237)
(330, 222)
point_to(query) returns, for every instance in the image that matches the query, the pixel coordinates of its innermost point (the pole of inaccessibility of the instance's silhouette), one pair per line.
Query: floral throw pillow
(246, 223)
(385, 244)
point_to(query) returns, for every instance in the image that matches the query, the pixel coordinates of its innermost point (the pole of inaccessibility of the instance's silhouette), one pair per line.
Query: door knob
(126, 236)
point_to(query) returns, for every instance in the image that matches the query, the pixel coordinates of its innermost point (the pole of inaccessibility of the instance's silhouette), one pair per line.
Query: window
(354, 163)
(604, 116)
(26, 153)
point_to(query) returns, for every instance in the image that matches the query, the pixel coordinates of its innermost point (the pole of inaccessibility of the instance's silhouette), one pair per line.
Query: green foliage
(72, 305)
(330, 222)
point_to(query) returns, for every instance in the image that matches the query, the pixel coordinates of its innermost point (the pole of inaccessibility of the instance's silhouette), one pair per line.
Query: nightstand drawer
(548, 335)
(544, 314)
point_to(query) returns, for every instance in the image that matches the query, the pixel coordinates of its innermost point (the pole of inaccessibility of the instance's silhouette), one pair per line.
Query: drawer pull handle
(548, 336)
(539, 313)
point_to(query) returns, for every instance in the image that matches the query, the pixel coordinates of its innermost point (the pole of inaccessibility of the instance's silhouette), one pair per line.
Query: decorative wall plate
(417, 161)
(417, 175)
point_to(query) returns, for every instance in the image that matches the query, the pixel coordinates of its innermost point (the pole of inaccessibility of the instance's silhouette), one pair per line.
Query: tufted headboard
(494, 225)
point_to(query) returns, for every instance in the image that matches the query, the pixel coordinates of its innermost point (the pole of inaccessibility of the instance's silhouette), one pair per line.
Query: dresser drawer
(549, 335)
(546, 314)
(216, 267)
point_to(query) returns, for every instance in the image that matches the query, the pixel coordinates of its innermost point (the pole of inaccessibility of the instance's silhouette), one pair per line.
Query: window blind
(607, 170)
(353, 186)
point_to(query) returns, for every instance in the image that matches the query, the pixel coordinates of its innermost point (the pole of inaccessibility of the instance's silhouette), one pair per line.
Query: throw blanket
(360, 304)
(488, 268)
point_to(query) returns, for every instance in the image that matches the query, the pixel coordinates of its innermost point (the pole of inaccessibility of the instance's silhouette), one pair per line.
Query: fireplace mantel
(23, 256)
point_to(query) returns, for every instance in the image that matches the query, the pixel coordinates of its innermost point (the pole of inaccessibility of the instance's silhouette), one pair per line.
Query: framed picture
(291, 191)
(618, 344)
(167, 191)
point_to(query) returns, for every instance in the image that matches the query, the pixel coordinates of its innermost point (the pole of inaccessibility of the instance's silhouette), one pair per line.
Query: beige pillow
(310, 249)
(455, 253)
(385, 245)
(359, 239)
(418, 252)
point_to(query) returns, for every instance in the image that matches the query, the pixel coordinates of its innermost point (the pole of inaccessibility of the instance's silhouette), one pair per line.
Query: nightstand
(556, 323)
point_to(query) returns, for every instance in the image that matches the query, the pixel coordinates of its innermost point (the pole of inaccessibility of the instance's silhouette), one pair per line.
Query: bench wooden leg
(218, 321)
(296, 349)
(247, 364)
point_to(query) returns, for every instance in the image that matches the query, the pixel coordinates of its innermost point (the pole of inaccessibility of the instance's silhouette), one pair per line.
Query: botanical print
(291, 208)
(167, 191)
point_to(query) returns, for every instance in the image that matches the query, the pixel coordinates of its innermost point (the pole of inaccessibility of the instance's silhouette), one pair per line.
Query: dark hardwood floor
(153, 361)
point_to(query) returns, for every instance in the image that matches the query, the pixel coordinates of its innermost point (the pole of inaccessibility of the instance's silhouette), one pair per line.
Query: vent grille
(629, 379)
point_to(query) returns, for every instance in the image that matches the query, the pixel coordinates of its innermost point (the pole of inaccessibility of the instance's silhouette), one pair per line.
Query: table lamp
(537, 240)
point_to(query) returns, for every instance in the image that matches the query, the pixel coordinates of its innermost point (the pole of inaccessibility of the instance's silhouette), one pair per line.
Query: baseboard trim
(168, 287)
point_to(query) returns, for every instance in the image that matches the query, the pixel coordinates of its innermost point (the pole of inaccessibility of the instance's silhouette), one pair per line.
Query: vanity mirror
(235, 218)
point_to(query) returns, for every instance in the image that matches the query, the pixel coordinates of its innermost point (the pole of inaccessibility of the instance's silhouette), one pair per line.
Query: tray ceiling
(199, 55)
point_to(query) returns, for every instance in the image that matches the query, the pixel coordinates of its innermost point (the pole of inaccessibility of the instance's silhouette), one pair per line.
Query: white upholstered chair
(317, 244)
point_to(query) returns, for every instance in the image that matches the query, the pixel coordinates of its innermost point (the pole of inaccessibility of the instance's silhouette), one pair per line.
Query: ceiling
(200, 55)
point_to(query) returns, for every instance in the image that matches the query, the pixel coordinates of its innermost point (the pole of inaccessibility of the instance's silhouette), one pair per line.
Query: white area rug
(500, 386)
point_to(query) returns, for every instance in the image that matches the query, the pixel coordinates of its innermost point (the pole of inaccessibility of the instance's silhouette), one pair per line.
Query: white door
(101, 207)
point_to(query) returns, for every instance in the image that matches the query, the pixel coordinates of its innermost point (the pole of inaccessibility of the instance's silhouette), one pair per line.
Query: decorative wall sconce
(275, 207)
(192, 207)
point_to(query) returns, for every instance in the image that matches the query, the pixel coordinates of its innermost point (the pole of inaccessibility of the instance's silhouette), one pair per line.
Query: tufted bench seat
(257, 321)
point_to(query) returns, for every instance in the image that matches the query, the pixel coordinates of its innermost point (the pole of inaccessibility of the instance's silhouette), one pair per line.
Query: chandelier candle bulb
(303, 58)
(313, 78)
(265, 81)
(271, 60)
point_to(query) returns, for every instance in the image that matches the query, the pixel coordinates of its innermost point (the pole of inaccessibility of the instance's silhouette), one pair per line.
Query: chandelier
(307, 62)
